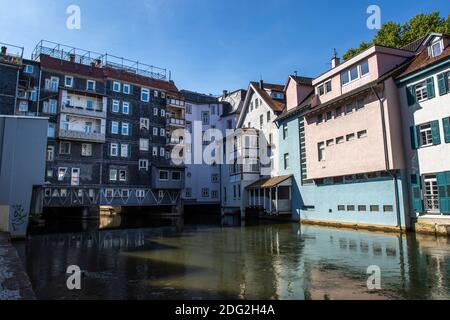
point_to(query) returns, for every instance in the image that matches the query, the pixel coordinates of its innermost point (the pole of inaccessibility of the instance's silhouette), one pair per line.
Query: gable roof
(275, 105)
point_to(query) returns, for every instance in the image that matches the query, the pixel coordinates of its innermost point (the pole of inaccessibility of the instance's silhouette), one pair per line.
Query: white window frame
(67, 143)
(29, 69)
(155, 131)
(125, 106)
(115, 106)
(125, 129)
(162, 152)
(114, 125)
(74, 182)
(116, 174)
(441, 48)
(62, 169)
(421, 91)
(145, 123)
(114, 147)
(155, 151)
(124, 150)
(128, 91)
(86, 147)
(143, 164)
(155, 111)
(147, 93)
(87, 85)
(117, 86)
(162, 171)
(144, 144)
(427, 140)
(162, 132)
(126, 175)
(50, 155)
(71, 81)
(321, 151)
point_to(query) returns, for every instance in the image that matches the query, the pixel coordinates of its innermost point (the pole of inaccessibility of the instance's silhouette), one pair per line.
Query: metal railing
(176, 121)
(86, 57)
(431, 203)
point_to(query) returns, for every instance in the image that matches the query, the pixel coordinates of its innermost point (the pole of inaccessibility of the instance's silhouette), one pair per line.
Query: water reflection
(200, 259)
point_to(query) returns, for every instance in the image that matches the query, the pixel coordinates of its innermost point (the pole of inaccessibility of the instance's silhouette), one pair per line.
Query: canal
(177, 258)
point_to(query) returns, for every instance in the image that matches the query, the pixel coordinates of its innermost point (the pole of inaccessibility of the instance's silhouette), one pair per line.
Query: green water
(173, 259)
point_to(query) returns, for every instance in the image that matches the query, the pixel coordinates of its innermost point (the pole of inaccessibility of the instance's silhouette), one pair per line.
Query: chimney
(98, 63)
(4, 49)
(225, 93)
(335, 61)
(72, 57)
(261, 84)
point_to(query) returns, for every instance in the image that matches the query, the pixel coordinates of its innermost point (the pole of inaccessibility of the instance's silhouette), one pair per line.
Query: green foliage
(396, 35)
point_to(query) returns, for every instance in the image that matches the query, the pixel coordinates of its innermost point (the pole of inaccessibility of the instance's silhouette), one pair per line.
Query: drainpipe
(386, 158)
(17, 91)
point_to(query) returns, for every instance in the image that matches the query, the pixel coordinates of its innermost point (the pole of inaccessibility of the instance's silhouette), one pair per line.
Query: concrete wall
(22, 164)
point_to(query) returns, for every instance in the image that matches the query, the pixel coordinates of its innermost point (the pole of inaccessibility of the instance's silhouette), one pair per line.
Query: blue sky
(209, 45)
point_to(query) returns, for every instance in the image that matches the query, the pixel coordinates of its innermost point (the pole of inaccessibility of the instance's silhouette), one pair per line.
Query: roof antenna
(296, 73)
(335, 54)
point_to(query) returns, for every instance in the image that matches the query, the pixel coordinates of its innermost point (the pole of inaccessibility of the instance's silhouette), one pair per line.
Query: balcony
(175, 103)
(176, 122)
(72, 107)
(175, 141)
(75, 131)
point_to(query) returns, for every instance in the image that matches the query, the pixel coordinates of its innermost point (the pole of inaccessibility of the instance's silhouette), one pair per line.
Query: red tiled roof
(105, 72)
(422, 60)
(275, 105)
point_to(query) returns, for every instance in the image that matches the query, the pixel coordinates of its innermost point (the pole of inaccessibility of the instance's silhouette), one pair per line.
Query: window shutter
(414, 138)
(410, 94)
(108, 150)
(446, 124)
(443, 186)
(435, 132)
(442, 83)
(430, 88)
(416, 186)
(129, 151)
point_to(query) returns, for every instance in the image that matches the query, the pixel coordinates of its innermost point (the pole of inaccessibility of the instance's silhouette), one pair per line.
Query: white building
(424, 91)
(263, 103)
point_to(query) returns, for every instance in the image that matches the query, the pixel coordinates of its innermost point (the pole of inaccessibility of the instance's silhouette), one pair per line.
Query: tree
(396, 35)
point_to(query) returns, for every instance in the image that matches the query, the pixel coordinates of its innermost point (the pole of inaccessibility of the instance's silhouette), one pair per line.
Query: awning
(271, 182)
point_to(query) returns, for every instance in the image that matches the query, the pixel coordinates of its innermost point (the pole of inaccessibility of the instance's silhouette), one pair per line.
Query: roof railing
(77, 55)
(6, 56)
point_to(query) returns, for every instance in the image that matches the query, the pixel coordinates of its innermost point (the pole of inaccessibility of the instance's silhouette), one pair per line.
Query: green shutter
(414, 138)
(430, 88)
(410, 94)
(447, 211)
(442, 83)
(416, 186)
(446, 125)
(435, 132)
(443, 194)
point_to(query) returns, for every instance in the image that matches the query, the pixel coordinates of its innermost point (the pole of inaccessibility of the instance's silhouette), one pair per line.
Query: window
(50, 106)
(50, 153)
(155, 151)
(155, 111)
(436, 49)
(362, 134)
(155, 131)
(321, 149)
(162, 152)
(143, 144)
(230, 124)
(324, 88)
(145, 123)
(162, 132)
(126, 108)
(126, 89)
(350, 137)
(341, 208)
(75, 178)
(114, 149)
(350, 208)
(339, 140)
(62, 173)
(112, 174)
(90, 105)
(90, 86)
(330, 143)
(205, 192)
(23, 106)
(348, 108)
(109, 193)
(86, 150)
(426, 135)
(122, 175)
(329, 115)
(140, 194)
(205, 118)
(213, 109)
(64, 147)
(360, 104)
(421, 91)
(261, 122)
(285, 131)
(29, 69)
(355, 72)
(319, 118)
(53, 84)
(214, 194)
(388, 208)
(68, 81)
(362, 208)
(114, 127)
(143, 164)
(125, 129)
(163, 113)
(215, 178)
(124, 150)
(50, 173)
(374, 208)
(188, 108)
(115, 106)
(145, 95)
(176, 175)
(286, 161)
(163, 175)
(116, 86)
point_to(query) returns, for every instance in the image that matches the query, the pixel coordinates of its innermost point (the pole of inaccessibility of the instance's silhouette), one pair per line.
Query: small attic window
(436, 48)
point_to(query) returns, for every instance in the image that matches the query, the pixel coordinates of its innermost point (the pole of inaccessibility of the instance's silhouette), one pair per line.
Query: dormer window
(435, 49)
(324, 88)
(355, 72)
